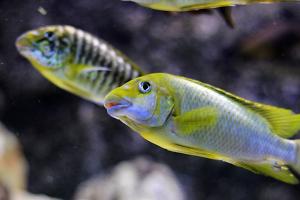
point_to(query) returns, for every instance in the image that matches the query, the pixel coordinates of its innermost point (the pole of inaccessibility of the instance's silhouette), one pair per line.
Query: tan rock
(13, 167)
(13, 170)
(140, 179)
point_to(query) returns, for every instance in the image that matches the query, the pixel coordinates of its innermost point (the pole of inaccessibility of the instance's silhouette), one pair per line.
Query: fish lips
(23, 44)
(114, 104)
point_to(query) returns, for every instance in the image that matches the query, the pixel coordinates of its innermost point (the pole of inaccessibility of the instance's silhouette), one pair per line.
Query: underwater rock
(13, 169)
(13, 166)
(140, 179)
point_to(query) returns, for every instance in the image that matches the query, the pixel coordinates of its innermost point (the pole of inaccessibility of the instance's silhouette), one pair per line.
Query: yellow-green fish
(190, 117)
(76, 61)
(223, 6)
(191, 5)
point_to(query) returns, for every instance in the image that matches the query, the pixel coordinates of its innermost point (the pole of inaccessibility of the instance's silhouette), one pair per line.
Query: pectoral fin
(94, 69)
(195, 120)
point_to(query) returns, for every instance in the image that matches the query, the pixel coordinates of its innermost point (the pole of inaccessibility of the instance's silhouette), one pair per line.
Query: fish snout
(26, 40)
(114, 103)
(23, 43)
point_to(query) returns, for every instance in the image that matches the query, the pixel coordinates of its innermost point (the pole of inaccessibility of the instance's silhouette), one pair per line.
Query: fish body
(190, 117)
(192, 5)
(76, 61)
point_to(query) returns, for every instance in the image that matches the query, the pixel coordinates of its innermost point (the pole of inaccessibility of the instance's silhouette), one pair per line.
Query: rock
(140, 179)
(13, 166)
(13, 170)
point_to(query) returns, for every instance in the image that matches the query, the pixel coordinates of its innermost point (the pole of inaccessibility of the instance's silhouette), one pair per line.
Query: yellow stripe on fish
(76, 61)
(190, 117)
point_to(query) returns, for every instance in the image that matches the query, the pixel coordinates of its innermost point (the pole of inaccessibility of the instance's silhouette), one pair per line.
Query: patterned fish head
(48, 47)
(145, 100)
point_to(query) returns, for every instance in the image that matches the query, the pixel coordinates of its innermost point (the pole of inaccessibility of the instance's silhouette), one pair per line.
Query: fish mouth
(114, 103)
(23, 44)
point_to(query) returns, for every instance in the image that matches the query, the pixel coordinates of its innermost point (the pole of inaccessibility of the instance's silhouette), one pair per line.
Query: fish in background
(76, 61)
(190, 5)
(223, 6)
(191, 117)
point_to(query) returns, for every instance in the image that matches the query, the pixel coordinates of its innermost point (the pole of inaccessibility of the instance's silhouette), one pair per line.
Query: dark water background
(67, 140)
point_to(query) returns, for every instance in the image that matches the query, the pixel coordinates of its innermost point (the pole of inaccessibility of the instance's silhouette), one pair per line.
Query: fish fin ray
(206, 154)
(283, 122)
(198, 152)
(226, 13)
(191, 121)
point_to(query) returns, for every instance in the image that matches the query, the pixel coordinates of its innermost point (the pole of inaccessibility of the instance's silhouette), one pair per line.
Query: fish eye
(144, 87)
(49, 35)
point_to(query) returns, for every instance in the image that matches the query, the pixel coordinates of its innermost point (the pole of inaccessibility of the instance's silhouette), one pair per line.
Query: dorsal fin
(283, 122)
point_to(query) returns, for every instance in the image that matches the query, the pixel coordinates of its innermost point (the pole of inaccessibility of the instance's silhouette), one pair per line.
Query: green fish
(192, 5)
(76, 61)
(186, 116)
(223, 6)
